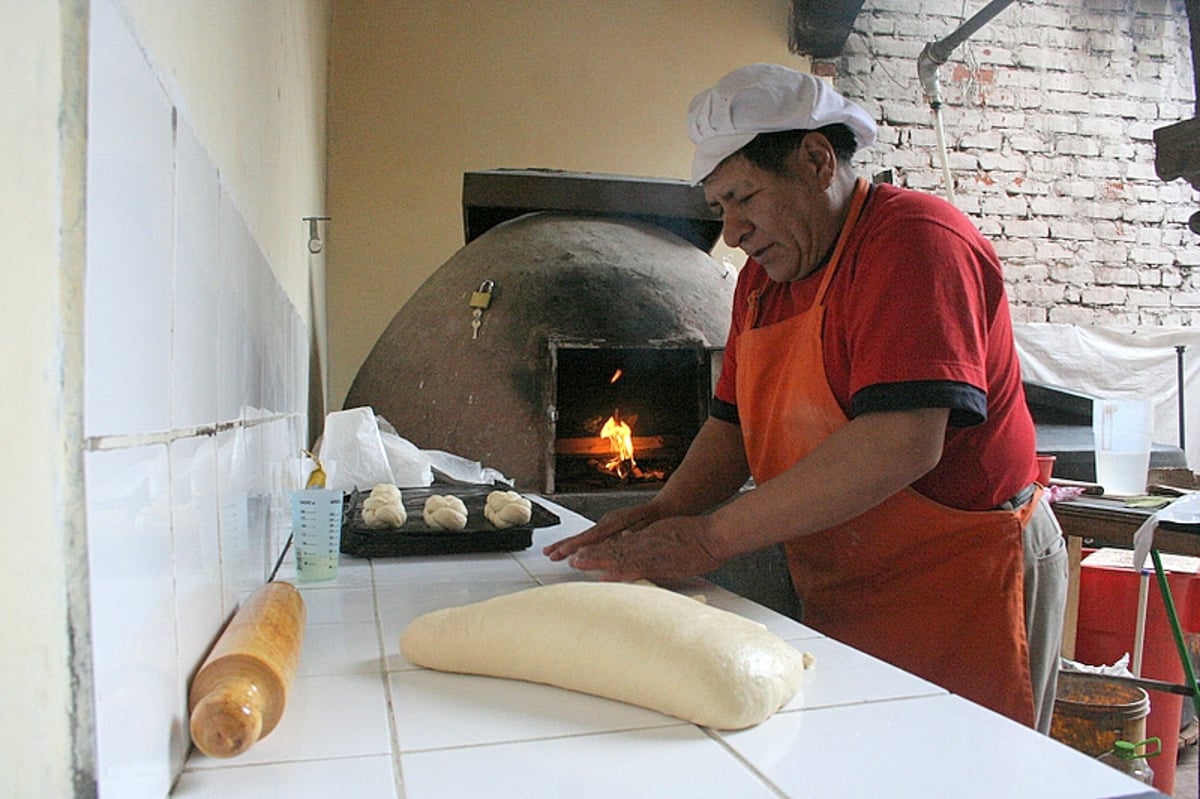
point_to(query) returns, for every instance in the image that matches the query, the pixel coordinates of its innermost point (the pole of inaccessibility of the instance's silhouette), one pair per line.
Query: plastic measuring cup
(316, 533)
(1123, 430)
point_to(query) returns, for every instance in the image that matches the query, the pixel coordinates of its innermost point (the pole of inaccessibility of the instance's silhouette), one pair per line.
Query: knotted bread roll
(634, 643)
(445, 512)
(384, 507)
(507, 509)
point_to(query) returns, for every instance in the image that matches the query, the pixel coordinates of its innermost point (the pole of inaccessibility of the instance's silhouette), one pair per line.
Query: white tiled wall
(195, 389)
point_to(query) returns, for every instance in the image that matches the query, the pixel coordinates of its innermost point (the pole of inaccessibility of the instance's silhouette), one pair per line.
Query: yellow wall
(421, 92)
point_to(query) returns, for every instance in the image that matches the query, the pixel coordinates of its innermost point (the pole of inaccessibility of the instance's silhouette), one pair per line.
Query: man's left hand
(673, 548)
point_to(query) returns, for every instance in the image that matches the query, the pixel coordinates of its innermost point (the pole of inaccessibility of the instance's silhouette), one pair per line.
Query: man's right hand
(633, 518)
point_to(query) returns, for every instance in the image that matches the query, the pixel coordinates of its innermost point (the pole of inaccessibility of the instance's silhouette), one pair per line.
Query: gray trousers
(1045, 607)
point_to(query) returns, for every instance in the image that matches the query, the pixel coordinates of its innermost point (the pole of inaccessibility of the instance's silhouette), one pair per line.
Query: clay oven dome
(558, 280)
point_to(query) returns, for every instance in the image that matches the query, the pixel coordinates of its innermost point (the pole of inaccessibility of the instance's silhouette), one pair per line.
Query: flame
(620, 438)
(616, 376)
(619, 435)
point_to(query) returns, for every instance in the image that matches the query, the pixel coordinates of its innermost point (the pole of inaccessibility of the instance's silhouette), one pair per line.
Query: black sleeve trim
(725, 411)
(967, 404)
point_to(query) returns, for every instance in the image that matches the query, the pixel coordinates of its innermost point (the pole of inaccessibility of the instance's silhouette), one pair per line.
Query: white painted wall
(156, 359)
(41, 241)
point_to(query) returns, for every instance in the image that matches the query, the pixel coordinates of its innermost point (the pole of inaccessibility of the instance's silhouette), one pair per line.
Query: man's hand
(671, 548)
(612, 523)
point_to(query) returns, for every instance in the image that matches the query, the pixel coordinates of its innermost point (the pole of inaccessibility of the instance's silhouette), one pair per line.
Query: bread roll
(635, 643)
(445, 512)
(384, 507)
(507, 509)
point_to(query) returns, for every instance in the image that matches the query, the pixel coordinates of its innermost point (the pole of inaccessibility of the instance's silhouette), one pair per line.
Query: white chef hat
(764, 98)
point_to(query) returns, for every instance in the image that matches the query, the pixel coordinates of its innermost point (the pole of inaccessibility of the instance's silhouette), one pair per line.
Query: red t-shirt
(916, 316)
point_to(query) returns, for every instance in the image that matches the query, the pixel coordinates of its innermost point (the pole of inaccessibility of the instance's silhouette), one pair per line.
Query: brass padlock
(482, 298)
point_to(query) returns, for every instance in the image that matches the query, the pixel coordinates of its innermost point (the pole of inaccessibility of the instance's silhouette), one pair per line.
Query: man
(871, 387)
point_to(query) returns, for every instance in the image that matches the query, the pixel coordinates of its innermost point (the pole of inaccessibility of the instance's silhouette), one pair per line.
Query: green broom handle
(1169, 603)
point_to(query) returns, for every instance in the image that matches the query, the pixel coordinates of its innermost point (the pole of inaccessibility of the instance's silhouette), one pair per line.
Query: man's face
(784, 222)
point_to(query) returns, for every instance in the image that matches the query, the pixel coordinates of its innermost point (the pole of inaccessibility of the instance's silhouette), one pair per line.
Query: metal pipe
(1179, 348)
(937, 53)
(940, 129)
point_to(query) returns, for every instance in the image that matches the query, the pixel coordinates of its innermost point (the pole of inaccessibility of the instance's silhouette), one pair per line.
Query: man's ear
(817, 158)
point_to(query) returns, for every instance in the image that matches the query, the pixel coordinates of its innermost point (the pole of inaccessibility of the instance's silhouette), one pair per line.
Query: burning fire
(620, 439)
(619, 435)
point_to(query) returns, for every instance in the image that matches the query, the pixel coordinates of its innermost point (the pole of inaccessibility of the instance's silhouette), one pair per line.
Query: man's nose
(734, 229)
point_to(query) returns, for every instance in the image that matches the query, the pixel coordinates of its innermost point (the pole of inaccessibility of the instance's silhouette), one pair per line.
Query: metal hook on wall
(315, 245)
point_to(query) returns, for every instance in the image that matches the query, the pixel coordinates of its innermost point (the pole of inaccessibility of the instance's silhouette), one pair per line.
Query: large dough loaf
(635, 643)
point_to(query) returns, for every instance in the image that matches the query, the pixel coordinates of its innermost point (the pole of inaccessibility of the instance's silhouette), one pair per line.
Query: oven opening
(625, 416)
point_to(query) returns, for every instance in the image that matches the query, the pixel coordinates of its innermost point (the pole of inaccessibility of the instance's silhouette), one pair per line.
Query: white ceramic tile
(196, 292)
(434, 710)
(664, 762)
(197, 551)
(400, 603)
(351, 648)
(241, 556)
(842, 675)
(476, 567)
(352, 572)
(932, 746)
(276, 337)
(281, 459)
(333, 605)
(139, 716)
(258, 504)
(259, 319)
(327, 716)
(537, 563)
(777, 623)
(303, 349)
(365, 777)
(127, 286)
(233, 267)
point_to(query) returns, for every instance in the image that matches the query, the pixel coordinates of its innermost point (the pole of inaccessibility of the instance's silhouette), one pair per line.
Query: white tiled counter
(362, 722)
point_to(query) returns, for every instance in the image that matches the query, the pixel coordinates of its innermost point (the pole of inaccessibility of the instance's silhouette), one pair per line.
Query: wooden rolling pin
(239, 694)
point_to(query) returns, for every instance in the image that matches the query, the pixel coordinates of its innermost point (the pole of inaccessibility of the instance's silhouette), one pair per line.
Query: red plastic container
(1108, 601)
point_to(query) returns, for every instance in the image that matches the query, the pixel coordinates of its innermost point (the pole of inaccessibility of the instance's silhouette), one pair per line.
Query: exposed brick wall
(1048, 113)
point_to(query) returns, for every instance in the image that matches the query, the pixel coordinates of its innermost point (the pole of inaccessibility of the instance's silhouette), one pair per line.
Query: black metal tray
(415, 537)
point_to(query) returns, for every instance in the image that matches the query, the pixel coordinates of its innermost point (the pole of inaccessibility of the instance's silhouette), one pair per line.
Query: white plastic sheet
(1119, 363)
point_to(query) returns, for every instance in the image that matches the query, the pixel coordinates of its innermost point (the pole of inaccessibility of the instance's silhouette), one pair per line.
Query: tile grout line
(105, 442)
(746, 764)
(393, 734)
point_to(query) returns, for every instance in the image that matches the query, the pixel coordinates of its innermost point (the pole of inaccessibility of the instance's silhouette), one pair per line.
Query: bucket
(1123, 430)
(1091, 713)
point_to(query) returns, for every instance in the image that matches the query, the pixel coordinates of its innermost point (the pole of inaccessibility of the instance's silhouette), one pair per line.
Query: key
(476, 321)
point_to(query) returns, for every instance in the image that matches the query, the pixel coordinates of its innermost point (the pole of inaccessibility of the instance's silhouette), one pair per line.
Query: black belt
(1020, 498)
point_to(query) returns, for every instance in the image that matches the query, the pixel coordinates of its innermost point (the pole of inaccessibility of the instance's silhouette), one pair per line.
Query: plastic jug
(1125, 756)
(1123, 430)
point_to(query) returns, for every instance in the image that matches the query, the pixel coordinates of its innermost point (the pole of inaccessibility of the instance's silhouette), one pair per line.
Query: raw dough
(507, 509)
(639, 644)
(445, 512)
(384, 507)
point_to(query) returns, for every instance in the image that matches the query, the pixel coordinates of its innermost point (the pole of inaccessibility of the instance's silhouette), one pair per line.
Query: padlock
(482, 298)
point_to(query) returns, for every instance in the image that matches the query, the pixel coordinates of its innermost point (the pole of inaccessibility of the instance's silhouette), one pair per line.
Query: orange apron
(934, 590)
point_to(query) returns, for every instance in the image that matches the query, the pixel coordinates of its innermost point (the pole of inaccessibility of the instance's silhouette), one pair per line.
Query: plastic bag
(410, 465)
(1185, 510)
(352, 442)
(456, 469)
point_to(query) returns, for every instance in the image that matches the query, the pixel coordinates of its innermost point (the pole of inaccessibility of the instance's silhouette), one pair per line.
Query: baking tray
(415, 537)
